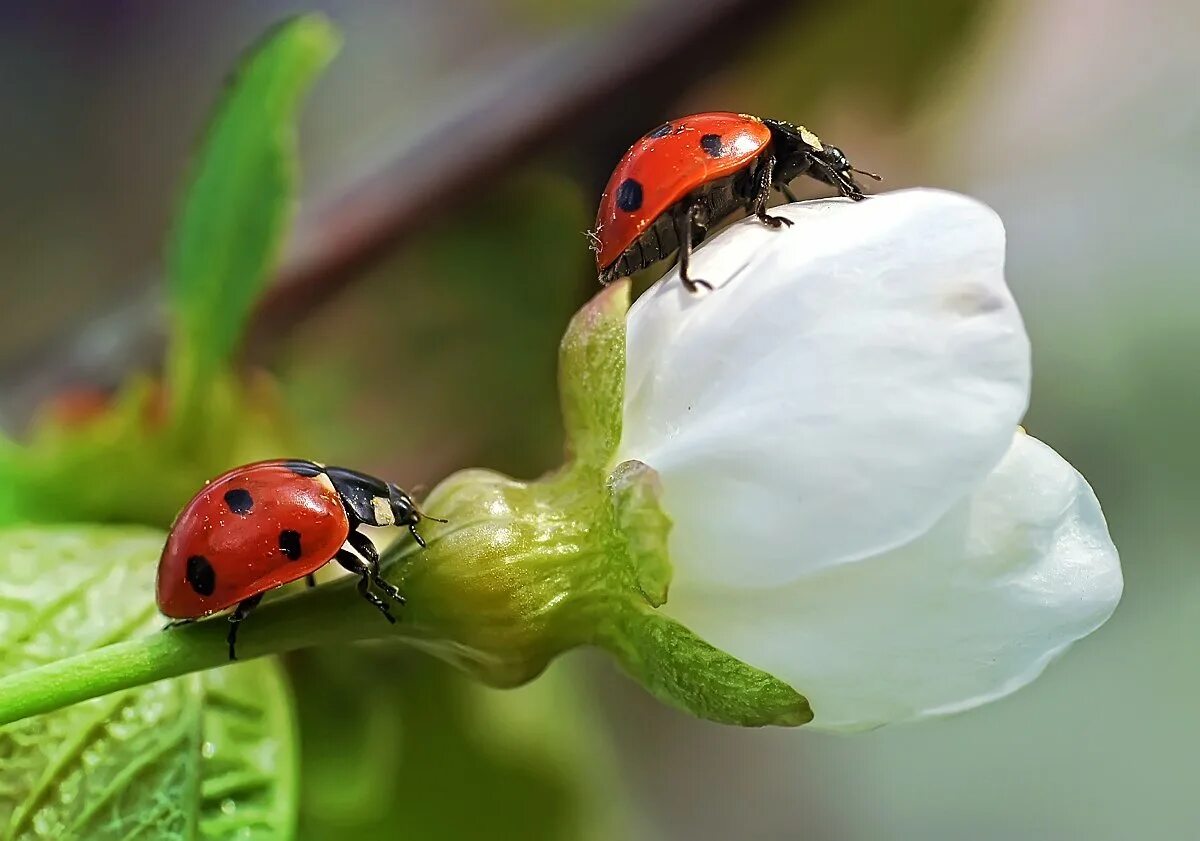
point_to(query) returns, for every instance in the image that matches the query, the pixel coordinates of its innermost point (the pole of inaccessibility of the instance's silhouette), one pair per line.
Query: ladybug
(263, 525)
(689, 174)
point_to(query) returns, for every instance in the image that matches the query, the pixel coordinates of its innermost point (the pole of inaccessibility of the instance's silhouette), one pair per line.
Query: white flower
(835, 428)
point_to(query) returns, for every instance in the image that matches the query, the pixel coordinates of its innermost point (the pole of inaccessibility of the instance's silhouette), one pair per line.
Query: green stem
(314, 618)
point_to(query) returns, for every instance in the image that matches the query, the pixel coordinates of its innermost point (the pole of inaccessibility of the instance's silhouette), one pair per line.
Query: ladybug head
(403, 508)
(407, 513)
(799, 151)
(833, 167)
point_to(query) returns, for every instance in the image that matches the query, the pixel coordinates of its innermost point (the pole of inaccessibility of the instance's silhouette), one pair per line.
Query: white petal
(851, 379)
(967, 613)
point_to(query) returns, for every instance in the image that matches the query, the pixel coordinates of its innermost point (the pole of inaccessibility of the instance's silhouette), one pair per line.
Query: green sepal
(591, 377)
(678, 667)
(643, 526)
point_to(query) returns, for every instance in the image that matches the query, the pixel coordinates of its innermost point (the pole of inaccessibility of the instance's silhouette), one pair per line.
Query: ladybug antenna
(868, 174)
(419, 490)
(425, 516)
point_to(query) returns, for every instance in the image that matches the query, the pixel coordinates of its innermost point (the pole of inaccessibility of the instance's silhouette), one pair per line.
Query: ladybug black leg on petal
(359, 567)
(235, 621)
(762, 194)
(363, 545)
(310, 580)
(787, 191)
(685, 222)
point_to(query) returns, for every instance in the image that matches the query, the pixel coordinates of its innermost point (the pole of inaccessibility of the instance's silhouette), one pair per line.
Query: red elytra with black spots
(690, 173)
(667, 164)
(247, 531)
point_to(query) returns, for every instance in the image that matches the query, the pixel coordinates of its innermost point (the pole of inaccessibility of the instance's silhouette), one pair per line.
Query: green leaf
(239, 203)
(249, 768)
(222, 251)
(200, 757)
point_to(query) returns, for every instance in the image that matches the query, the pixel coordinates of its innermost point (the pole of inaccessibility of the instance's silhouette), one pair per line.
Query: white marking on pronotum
(326, 482)
(383, 511)
(810, 138)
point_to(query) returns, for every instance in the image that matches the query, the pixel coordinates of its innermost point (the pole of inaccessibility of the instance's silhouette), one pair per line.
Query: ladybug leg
(787, 191)
(310, 580)
(175, 623)
(235, 621)
(363, 546)
(412, 527)
(362, 569)
(685, 224)
(762, 194)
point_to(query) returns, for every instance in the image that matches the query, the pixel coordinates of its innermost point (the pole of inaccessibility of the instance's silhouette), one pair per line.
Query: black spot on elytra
(629, 195)
(289, 542)
(201, 575)
(303, 468)
(711, 144)
(661, 131)
(239, 501)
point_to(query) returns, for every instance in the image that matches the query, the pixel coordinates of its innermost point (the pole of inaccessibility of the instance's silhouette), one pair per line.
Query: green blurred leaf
(9, 455)
(200, 757)
(238, 203)
(124, 461)
(383, 760)
(124, 465)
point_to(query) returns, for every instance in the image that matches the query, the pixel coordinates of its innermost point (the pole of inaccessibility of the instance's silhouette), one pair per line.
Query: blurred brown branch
(595, 90)
(607, 83)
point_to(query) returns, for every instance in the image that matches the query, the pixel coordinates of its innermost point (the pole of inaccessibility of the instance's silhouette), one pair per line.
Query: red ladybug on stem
(263, 525)
(689, 174)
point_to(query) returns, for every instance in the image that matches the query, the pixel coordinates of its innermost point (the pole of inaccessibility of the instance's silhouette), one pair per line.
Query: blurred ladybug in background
(266, 524)
(691, 173)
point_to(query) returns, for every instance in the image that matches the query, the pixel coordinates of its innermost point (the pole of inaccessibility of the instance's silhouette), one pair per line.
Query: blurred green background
(1078, 121)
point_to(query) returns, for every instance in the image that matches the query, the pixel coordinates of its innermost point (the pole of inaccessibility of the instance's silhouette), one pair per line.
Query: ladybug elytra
(266, 524)
(689, 174)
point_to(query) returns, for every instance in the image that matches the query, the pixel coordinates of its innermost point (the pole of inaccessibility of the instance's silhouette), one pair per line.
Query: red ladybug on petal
(689, 174)
(263, 525)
